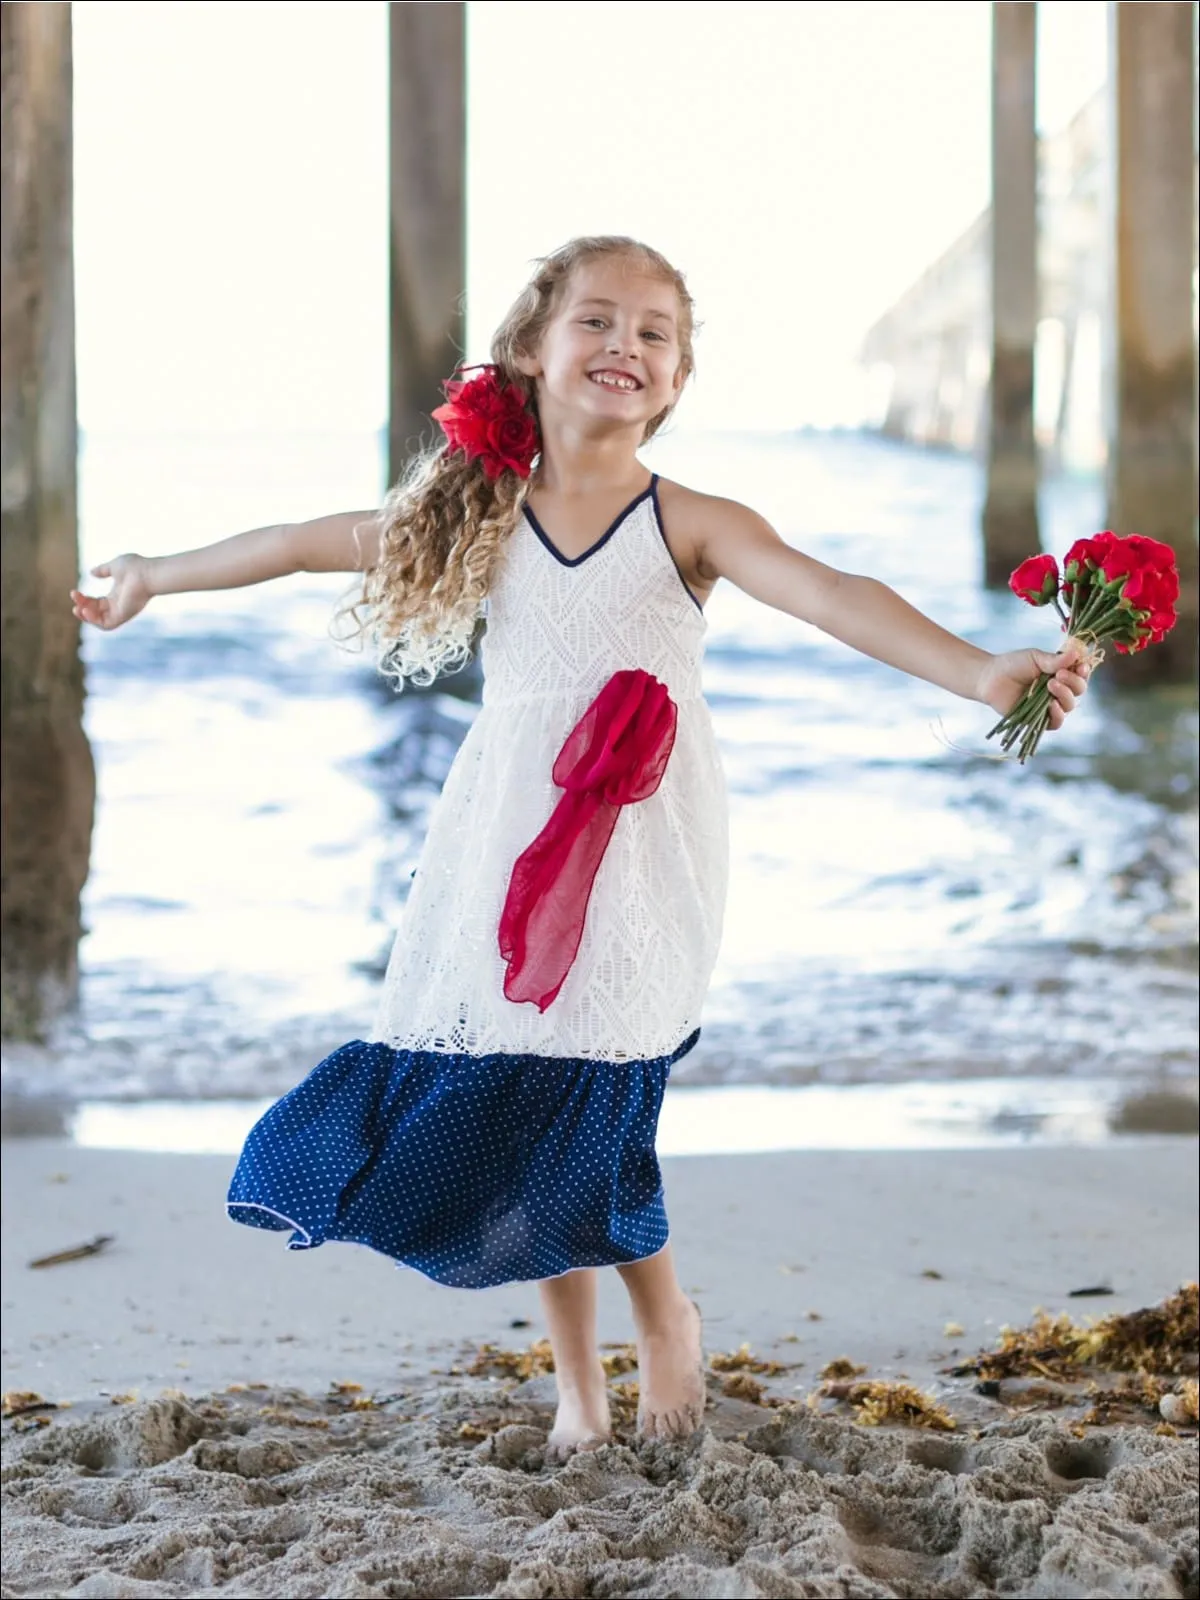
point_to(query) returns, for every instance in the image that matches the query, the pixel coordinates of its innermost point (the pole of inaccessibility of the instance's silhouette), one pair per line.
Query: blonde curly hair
(445, 524)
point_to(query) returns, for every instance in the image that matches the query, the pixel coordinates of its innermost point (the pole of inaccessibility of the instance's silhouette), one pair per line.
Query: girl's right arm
(348, 541)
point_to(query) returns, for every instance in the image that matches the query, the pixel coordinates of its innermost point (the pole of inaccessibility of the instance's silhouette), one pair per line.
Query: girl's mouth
(622, 382)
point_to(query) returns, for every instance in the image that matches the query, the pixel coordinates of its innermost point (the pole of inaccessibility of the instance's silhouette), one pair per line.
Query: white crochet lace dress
(557, 630)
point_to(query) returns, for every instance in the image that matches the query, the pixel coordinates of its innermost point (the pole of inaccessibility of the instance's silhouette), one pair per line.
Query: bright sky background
(800, 161)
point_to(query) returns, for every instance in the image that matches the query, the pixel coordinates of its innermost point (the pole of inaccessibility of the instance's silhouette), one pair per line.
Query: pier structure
(929, 356)
(47, 777)
(1152, 455)
(427, 228)
(1010, 508)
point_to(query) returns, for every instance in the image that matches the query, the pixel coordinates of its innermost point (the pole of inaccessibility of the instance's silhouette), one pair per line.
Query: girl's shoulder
(694, 502)
(695, 515)
(697, 521)
(703, 531)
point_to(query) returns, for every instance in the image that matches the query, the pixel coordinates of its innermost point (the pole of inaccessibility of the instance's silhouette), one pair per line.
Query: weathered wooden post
(1152, 456)
(47, 783)
(427, 45)
(1010, 512)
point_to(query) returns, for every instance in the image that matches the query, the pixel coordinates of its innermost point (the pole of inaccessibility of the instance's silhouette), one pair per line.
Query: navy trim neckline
(577, 561)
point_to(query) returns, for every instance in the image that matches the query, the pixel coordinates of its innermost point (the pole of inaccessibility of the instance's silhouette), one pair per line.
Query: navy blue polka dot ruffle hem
(475, 1170)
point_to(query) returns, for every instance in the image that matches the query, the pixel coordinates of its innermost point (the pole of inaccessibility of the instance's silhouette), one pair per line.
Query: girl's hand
(1006, 677)
(129, 594)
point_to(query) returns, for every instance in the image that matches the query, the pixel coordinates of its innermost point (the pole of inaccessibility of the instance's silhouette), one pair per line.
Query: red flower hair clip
(488, 419)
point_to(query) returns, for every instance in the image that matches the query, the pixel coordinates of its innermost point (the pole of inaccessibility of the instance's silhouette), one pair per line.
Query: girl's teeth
(614, 383)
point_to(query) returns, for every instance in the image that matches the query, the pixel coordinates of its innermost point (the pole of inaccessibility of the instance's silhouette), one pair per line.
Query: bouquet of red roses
(1111, 589)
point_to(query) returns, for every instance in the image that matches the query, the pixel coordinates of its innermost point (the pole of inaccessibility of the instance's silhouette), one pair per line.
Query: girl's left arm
(736, 543)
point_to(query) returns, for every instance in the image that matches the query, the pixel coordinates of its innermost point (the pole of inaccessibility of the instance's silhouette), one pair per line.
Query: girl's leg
(569, 1306)
(670, 1357)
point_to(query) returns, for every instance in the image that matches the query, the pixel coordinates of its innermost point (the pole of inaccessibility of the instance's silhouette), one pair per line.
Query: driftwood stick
(77, 1252)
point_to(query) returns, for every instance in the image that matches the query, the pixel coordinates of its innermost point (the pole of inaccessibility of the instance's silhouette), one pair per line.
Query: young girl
(564, 919)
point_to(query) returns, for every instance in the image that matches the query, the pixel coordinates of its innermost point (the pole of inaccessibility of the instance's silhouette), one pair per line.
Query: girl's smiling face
(610, 353)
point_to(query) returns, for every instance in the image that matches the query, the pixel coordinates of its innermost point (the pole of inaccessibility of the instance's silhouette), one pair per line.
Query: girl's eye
(594, 322)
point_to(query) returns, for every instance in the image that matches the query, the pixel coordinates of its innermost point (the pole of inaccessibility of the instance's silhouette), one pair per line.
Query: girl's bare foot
(671, 1373)
(582, 1420)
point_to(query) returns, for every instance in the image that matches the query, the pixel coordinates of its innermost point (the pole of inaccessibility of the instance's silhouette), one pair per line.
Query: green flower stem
(1025, 738)
(1028, 745)
(1027, 734)
(1095, 609)
(1032, 703)
(1024, 704)
(1093, 602)
(1080, 595)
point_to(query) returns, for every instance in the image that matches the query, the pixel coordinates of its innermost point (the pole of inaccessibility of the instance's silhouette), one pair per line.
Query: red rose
(1087, 553)
(490, 422)
(1036, 581)
(1135, 558)
(1151, 589)
(1152, 551)
(1083, 558)
(1158, 622)
(1119, 561)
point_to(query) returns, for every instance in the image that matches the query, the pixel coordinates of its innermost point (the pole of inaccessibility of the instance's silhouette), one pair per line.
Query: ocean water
(903, 907)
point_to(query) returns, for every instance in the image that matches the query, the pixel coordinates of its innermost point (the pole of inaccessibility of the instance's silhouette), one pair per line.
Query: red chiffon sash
(616, 754)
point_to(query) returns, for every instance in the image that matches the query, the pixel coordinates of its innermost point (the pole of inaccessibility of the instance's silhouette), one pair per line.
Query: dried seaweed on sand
(841, 1367)
(531, 1363)
(741, 1386)
(743, 1359)
(1162, 1340)
(877, 1401)
(619, 1358)
(491, 1360)
(625, 1398)
(1174, 1402)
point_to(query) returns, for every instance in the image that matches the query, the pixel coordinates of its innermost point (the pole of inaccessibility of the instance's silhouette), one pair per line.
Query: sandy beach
(244, 1420)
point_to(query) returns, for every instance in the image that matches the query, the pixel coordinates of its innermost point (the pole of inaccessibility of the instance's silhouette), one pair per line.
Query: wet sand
(429, 1479)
